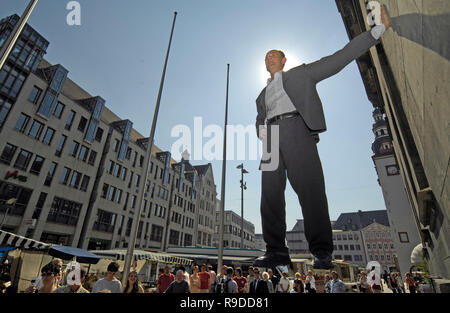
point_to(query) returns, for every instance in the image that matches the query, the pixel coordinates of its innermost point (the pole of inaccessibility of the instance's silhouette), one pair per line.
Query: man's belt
(282, 117)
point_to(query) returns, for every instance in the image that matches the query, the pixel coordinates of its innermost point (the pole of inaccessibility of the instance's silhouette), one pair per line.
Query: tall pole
(242, 206)
(12, 38)
(224, 166)
(142, 194)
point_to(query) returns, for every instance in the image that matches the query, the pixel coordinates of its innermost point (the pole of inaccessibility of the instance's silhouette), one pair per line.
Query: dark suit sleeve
(261, 116)
(333, 64)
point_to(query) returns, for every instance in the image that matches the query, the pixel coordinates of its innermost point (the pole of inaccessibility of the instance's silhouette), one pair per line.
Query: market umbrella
(68, 253)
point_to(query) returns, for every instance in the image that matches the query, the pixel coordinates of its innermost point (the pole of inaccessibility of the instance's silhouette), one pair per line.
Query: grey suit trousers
(300, 162)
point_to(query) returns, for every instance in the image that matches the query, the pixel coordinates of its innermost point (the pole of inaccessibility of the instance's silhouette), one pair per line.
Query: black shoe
(322, 261)
(272, 259)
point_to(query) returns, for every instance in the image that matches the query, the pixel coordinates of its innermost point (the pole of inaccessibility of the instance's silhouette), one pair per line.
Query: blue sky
(118, 53)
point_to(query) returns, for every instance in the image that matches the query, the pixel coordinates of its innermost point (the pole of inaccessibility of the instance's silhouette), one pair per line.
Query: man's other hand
(385, 17)
(263, 133)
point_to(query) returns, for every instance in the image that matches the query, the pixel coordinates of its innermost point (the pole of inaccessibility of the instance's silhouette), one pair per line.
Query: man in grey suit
(291, 102)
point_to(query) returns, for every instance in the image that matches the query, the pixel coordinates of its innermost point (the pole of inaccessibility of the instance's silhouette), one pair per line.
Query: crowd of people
(203, 279)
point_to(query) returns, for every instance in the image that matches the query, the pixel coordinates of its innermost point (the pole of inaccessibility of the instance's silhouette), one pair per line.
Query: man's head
(334, 275)
(250, 270)
(180, 276)
(270, 272)
(49, 272)
(238, 272)
(230, 272)
(166, 270)
(204, 268)
(183, 269)
(256, 272)
(275, 61)
(113, 268)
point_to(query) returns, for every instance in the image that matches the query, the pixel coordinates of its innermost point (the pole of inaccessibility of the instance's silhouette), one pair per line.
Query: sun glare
(292, 61)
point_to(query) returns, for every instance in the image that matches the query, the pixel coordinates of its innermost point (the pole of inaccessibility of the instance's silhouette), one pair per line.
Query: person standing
(49, 274)
(298, 283)
(240, 280)
(133, 285)
(411, 283)
(165, 279)
(205, 280)
(284, 284)
(194, 280)
(213, 280)
(328, 282)
(337, 285)
(250, 277)
(229, 284)
(109, 282)
(291, 102)
(274, 279)
(392, 283)
(363, 285)
(258, 285)
(266, 278)
(179, 285)
(310, 284)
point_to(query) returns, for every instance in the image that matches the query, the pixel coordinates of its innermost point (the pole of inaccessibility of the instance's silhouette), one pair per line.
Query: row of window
(380, 258)
(74, 179)
(347, 247)
(349, 257)
(380, 246)
(345, 237)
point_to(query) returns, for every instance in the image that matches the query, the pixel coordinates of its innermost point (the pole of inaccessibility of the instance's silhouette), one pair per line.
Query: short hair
(210, 268)
(113, 267)
(180, 271)
(239, 270)
(182, 268)
(335, 273)
(281, 53)
(250, 268)
(283, 273)
(57, 261)
(230, 271)
(51, 268)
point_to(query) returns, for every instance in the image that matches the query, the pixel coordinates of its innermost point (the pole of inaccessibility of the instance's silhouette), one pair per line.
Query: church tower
(402, 223)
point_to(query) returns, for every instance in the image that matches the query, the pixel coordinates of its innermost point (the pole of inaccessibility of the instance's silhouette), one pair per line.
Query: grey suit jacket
(300, 83)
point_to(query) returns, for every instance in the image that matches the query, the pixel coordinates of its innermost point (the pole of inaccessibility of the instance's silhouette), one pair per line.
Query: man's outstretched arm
(333, 64)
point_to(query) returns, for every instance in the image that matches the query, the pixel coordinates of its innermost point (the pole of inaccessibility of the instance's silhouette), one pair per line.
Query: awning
(68, 253)
(142, 255)
(15, 241)
(214, 257)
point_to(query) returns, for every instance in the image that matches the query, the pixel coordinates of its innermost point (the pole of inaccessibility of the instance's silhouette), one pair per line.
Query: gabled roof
(360, 219)
(202, 169)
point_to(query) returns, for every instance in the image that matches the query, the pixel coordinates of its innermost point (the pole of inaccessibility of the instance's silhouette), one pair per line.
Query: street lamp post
(8, 206)
(12, 38)
(224, 168)
(243, 187)
(142, 191)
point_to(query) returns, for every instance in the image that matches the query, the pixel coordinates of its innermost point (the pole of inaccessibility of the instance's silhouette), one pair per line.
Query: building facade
(401, 220)
(379, 245)
(259, 242)
(232, 231)
(349, 246)
(74, 169)
(296, 239)
(407, 76)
